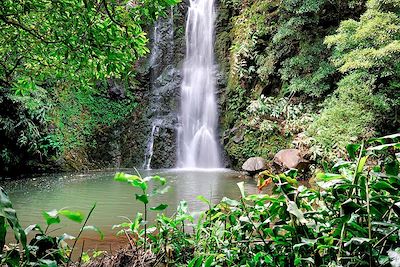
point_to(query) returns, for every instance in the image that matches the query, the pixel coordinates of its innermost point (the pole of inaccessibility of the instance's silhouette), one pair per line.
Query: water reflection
(79, 192)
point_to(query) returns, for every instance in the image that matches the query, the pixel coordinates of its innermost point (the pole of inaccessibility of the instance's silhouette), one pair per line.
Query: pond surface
(79, 192)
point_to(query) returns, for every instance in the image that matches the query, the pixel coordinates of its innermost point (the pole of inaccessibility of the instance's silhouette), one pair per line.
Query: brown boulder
(254, 165)
(290, 159)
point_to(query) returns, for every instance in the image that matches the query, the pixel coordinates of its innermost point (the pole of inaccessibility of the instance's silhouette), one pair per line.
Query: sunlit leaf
(51, 217)
(241, 188)
(75, 216)
(293, 209)
(94, 228)
(159, 207)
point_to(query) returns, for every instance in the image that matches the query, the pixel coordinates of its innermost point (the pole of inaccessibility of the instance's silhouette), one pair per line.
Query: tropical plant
(135, 226)
(42, 249)
(349, 216)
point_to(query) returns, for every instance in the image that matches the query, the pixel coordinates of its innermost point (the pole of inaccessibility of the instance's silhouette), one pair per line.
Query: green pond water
(114, 200)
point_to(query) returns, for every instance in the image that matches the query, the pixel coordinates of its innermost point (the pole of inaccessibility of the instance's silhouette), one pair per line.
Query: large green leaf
(293, 209)
(94, 228)
(140, 184)
(51, 217)
(241, 188)
(142, 198)
(159, 207)
(75, 216)
(209, 261)
(3, 233)
(9, 214)
(123, 177)
(196, 262)
(383, 147)
(392, 166)
(382, 185)
(352, 150)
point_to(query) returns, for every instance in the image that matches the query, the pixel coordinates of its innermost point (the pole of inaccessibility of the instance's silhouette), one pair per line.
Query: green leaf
(209, 261)
(65, 237)
(385, 146)
(140, 184)
(142, 198)
(51, 217)
(94, 228)
(10, 215)
(352, 150)
(136, 223)
(392, 166)
(383, 139)
(328, 176)
(75, 216)
(293, 209)
(361, 164)
(3, 233)
(47, 263)
(241, 188)
(159, 179)
(196, 262)
(159, 207)
(204, 200)
(230, 202)
(357, 241)
(382, 185)
(123, 177)
(33, 227)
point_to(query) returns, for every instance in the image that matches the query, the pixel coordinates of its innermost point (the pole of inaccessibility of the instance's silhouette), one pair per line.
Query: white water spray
(198, 145)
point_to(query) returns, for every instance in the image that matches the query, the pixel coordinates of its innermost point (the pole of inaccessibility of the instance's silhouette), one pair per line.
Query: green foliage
(135, 226)
(267, 126)
(278, 50)
(349, 218)
(42, 249)
(56, 58)
(366, 52)
(306, 72)
(79, 41)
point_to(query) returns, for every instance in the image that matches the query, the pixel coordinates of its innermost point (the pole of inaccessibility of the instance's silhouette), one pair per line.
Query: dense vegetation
(350, 216)
(312, 74)
(64, 64)
(330, 68)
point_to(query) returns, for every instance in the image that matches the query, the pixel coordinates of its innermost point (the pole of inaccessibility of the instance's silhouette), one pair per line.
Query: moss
(255, 145)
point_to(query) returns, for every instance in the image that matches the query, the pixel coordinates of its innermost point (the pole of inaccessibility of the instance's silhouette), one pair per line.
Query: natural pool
(114, 200)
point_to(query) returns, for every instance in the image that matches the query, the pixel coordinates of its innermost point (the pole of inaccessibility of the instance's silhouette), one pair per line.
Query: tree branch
(112, 18)
(26, 29)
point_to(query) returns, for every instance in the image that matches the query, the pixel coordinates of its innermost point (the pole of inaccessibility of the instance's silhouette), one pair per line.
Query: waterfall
(150, 143)
(198, 143)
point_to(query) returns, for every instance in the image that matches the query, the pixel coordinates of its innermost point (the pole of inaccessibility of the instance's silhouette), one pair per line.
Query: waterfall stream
(198, 143)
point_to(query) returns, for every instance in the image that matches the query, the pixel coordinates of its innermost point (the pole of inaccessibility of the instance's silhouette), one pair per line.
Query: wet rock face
(116, 89)
(158, 96)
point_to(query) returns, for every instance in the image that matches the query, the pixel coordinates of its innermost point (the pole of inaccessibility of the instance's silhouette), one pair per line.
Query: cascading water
(198, 145)
(150, 143)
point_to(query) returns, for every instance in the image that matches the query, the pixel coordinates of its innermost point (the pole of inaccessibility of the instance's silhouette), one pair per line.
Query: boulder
(254, 165)
(290, 159)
